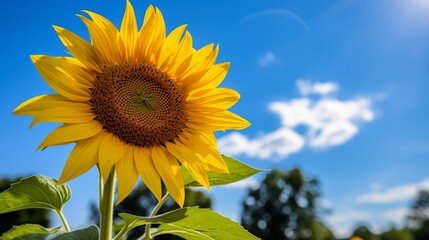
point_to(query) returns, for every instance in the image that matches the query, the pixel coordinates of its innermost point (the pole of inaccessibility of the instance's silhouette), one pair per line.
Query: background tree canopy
(419, 216)
(284, 207)
(417, 227)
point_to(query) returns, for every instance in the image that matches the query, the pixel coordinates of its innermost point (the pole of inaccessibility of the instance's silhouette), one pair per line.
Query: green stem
(100, 186)
(121, 233)
(106, 207)
(64, 220)
(153, 213)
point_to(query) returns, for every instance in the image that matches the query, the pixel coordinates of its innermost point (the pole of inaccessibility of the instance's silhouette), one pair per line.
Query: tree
(418, 218)
(364, 233)
(396, 234)
(141, 201)
(283, 207)
(35, 216)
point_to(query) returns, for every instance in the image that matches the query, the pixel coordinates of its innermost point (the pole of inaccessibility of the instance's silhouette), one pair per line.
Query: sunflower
(138, 101)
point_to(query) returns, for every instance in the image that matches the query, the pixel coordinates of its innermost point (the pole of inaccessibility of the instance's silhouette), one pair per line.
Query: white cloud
(394, 194)
(266, 59)
(327, 121)
(396, 215)
(234, 144)
(279, 143)
(245, 183)
(343, 223)
(306, 87)
(332, 134)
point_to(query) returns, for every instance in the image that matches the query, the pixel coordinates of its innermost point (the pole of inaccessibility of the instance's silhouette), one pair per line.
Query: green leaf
(192, 223)
(28, 232)
(237, 171)
(34, 192)
(132, 221)
(89, 233)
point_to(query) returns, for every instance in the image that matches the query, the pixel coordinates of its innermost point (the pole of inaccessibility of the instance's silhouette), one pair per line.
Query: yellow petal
(47, 101)
(198, 60)
(151, 35)
(82, 158)
(191, 161)
(169, 47)
(218, 121)
(78, 47)
(147, 171)
(209, 137)
(98, 38)
(158, 37)
(215, 99)
(73, 68)
(169, 169)
(183, 54)
(213, 77)
(62, 115)
(145, 35)
(55, 108)
(53, 71)
(69, 133)
(205, 150)
(111, 151)
(127, 174)
(129, 30)
(111, 36)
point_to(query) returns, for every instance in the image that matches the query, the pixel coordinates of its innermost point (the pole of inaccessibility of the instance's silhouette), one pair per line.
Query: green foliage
(418, 218)
(364, 233)
(37, 232)
(16, 218)
(283, 207)
(89, 233)
(320, 232)
(35, 192)
(237, 171)
(141, 201)
(192, 223)
(28, 232)
(422, 232)
(396, 234)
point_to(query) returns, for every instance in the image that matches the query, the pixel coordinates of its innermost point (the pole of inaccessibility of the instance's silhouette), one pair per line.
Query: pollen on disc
(139, 104)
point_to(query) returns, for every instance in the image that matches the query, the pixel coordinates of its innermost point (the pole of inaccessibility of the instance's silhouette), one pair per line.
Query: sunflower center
(139, 104)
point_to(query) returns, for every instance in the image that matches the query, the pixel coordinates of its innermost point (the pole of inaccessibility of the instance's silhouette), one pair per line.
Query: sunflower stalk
(106, 207)
(64, 220)
(153, 213)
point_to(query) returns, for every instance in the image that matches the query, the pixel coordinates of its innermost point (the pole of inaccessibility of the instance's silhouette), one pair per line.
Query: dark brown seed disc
(139, 104)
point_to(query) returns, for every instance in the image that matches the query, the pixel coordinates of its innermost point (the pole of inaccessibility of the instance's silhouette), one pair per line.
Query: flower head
(137, 100)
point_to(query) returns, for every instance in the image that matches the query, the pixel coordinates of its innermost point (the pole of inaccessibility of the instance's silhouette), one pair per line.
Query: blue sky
(337, 88)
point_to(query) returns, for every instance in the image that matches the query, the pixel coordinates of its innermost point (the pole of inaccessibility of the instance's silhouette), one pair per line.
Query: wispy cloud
(328, 122)
(276, 12)
(306, 87)
(395, 194)
(266, 59)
